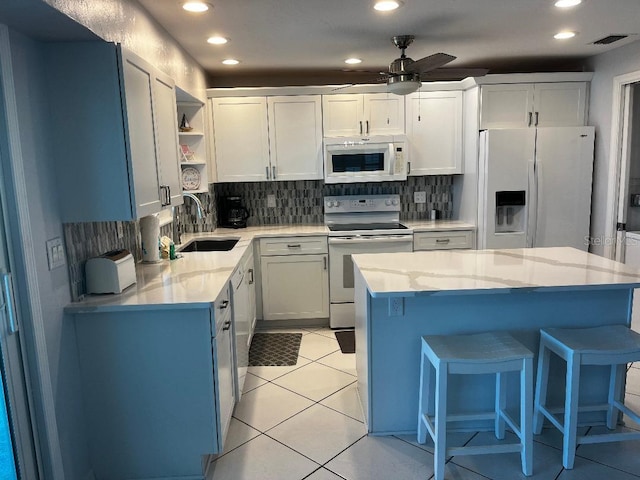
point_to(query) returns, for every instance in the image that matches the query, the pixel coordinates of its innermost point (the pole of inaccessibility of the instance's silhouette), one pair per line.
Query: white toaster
(111, 272)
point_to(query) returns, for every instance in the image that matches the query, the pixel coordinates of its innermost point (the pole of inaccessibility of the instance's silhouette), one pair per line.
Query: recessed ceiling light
(352, 61)
(217, 40)
(195, 6)
(231, 61)
(567, 3)
(387, 5)
(564, 35)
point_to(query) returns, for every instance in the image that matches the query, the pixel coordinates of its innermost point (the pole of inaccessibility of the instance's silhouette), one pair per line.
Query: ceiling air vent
(610, 39)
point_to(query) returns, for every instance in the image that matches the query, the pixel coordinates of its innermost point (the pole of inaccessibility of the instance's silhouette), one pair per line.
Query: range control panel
(362, 203)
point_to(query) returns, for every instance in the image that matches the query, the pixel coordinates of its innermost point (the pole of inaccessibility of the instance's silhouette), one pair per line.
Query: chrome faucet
(201, 212)
(176, 222)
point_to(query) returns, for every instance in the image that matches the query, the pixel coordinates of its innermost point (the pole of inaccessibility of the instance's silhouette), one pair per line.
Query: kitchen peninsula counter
(469, 291)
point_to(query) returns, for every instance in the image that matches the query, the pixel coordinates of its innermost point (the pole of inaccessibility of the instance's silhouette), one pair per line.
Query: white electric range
(359, 224)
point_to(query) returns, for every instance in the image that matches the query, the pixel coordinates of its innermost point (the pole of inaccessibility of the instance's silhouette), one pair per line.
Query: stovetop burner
(348, 227)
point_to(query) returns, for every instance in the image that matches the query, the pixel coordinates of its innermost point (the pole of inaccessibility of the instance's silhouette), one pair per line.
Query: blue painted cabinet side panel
(148, 388)
(362, 302)
(395, 345)
(88, 131)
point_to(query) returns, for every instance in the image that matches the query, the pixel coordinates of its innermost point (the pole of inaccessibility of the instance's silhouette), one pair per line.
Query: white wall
(31, 100)
(128, 23)
(605, 67)
(117, 21)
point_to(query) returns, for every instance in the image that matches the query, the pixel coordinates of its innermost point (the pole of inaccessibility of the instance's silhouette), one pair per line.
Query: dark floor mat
(347, 341)
(274, 349)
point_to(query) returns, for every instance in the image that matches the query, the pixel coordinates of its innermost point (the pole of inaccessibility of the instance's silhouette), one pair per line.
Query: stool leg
(542, 378)
(424, 402)
(501, 401)
(618, 373)
(526, 420)
(440, 451)
(571, 411)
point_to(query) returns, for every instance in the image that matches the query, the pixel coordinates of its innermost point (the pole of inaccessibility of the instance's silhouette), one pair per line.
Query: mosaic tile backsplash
(297, 202)
(301, 201)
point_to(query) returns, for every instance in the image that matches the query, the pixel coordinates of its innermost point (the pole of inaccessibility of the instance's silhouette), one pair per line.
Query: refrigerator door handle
(532, 221)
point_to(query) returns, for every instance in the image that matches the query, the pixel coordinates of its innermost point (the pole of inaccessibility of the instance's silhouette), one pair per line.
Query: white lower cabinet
(295, 278)
(157, 386)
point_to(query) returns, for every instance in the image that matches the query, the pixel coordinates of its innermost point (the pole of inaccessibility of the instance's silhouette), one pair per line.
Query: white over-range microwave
(365, 159)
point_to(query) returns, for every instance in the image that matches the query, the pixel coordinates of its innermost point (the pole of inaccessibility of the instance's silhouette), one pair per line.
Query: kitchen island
(400, 297)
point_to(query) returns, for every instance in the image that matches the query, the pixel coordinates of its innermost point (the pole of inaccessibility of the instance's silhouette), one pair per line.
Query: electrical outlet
(271, 201)
(55, 253)
(396, 306)
(419, 197)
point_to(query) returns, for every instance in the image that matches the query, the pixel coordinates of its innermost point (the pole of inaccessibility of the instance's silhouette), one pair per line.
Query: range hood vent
(610, 39)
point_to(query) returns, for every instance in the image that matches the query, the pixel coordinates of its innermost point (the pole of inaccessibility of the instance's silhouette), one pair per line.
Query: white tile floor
(305, 422)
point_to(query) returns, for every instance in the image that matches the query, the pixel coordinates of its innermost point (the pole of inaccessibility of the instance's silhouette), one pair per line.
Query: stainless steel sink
(210, 245)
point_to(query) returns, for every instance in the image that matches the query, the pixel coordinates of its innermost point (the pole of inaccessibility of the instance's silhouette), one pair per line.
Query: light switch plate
(420, 197)
(55, 253)
(271, 201)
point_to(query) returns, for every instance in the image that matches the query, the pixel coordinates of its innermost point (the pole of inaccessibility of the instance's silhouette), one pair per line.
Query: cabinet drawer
(293, 245)
(442, 240)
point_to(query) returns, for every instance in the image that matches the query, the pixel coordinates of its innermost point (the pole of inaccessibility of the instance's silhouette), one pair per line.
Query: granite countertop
(492, 271)
(197, 278)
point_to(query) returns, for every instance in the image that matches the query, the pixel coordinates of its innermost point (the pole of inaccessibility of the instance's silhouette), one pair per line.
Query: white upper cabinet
(241, 139)
(434, 132)
(346, 115)
(268, 138)
(521, 105)
(114, 133)
(167, 128)
(383, 114)
(295, 137)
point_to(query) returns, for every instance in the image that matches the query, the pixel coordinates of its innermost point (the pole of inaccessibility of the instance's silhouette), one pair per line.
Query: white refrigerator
(535, 187)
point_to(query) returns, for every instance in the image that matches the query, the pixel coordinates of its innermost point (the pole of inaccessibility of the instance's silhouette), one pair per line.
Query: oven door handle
(377, 239)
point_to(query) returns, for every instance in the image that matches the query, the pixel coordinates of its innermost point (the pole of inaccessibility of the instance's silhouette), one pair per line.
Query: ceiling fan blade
(430, 63)
(454, 73)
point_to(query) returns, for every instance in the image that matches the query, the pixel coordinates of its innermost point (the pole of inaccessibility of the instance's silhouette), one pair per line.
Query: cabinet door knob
(251, 276)
(224, 304)
(537, 113)
(227, 325)
(324, 259)
(529, 121)
(267, 169)
(273, 171)
(367, 127)
(360, 127)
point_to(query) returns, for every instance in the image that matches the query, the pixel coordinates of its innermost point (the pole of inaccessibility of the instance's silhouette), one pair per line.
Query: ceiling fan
(405, 74)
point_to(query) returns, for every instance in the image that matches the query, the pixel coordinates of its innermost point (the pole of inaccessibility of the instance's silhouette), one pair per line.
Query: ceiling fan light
(404, 84)
(195, 6)
(387, 5)
(230, 61)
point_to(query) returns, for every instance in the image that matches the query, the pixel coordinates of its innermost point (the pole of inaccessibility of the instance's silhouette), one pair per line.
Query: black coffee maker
(231, 212)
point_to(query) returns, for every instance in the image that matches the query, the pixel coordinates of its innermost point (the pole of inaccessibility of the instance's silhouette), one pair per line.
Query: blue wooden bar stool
(614, 345)
(493, 352)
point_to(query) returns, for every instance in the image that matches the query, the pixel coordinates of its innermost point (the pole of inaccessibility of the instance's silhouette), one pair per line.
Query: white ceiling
(282, 39)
